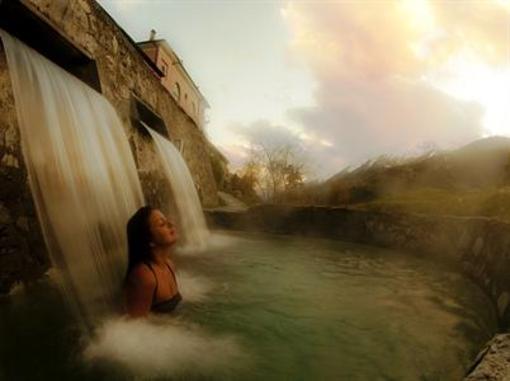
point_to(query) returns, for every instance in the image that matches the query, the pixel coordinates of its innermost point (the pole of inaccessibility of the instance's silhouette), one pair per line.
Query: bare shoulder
(141, 275)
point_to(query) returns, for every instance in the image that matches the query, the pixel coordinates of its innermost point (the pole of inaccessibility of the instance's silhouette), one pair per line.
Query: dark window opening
(141, 114)
(21, 22)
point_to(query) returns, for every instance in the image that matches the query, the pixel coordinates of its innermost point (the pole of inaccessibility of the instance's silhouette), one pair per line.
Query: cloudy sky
(343, 81)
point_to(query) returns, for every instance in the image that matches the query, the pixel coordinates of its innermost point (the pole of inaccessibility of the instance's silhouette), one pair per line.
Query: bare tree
(277, 169)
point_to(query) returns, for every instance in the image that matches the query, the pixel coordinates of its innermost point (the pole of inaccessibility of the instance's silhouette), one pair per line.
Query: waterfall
(82, 175)
(192, 225)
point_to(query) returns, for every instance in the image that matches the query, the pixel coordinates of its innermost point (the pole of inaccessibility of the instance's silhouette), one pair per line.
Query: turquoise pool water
(266, 307)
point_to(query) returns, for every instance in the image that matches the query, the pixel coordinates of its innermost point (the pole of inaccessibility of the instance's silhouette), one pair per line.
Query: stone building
(176, 79)
(82, 38)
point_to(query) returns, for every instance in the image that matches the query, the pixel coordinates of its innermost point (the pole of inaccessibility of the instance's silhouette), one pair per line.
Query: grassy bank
(492, 202)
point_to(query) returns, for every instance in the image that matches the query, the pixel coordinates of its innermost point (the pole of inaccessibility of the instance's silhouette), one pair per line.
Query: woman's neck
(159, 255)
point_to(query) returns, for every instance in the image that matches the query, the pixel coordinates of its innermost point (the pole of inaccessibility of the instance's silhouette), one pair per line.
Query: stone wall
(155, 186)
(22, 254)
(123, 72)
(493, 361)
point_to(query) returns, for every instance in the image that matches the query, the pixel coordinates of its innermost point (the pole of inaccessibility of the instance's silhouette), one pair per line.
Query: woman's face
(162, 230)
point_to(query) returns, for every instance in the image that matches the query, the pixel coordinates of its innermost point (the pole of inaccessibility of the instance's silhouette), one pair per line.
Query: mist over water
(165, 347)
(194, 288)
(169, 347)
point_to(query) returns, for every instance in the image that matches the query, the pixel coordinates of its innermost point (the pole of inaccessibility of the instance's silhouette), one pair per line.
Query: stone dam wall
(126, 79)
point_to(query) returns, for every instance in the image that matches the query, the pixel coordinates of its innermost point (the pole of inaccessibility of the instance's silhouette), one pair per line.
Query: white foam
(193, 288)
(164, 347)
(214, 241)
(222, 240)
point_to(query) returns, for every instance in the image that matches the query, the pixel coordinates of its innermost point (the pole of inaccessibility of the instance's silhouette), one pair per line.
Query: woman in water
(150, 284)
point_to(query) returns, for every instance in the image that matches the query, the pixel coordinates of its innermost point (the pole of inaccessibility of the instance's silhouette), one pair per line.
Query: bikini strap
(171, 271)
(155, 288)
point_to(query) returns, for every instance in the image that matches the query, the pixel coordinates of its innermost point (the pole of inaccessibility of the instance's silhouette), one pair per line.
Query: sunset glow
(480, 83)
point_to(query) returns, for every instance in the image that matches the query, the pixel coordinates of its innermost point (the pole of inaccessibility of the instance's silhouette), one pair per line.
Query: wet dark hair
(139, 237)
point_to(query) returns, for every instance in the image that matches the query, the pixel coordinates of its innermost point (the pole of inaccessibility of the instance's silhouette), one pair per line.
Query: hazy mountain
(482, 163)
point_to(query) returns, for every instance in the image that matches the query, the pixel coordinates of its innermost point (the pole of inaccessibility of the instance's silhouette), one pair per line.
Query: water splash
(165, 347)
(193, 288)
(191, 216)
(81, 172)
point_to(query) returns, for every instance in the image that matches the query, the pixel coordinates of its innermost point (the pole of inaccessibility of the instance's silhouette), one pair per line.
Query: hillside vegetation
(473, 180)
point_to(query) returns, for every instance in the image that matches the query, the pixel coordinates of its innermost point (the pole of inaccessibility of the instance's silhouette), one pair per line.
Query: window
(164, 68)
(28, 27)
(140, 112)
(177, 91)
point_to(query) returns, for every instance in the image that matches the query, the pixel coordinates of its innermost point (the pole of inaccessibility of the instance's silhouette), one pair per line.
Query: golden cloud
(379, 38)
(372, 61)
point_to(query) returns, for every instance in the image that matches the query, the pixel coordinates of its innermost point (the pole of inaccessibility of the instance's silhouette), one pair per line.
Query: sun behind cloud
(396, 75)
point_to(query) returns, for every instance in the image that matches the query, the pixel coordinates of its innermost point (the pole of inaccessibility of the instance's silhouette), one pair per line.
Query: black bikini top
(165, 305)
